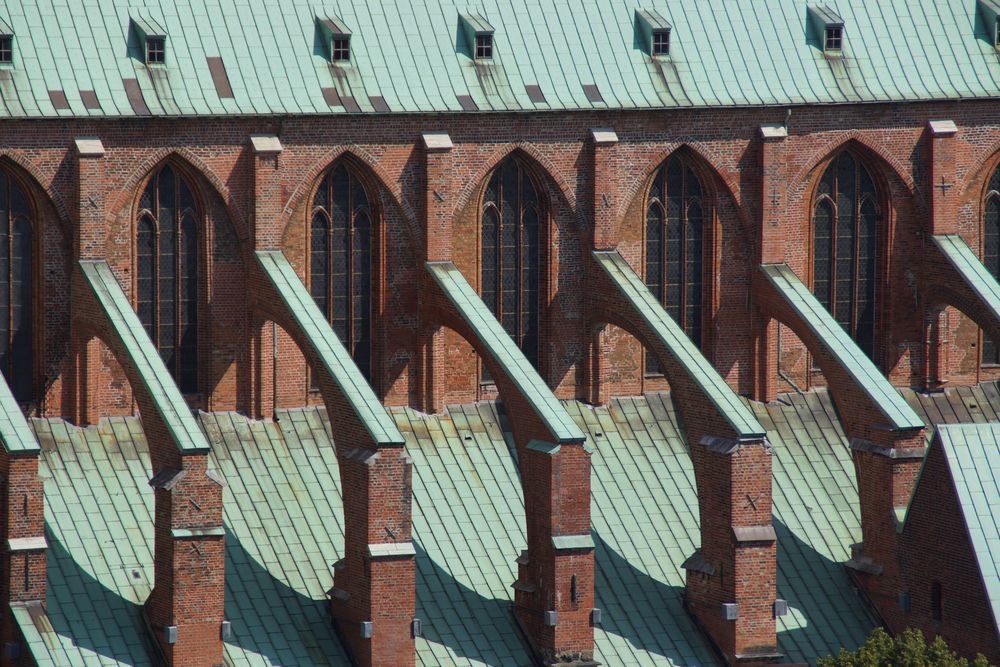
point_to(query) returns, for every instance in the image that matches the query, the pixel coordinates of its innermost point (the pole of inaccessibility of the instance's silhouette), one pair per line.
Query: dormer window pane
(156, 51)
(484, 47)
(340, 50)
(996, 35)
(661, 43)
(6, 49)
(834, 38)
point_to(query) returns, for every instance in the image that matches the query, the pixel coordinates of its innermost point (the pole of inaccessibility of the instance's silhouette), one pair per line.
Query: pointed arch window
(167, 273)
(510, 255)
(16, 285)
(991, 253)
(845, 247)
(675, 246)
(340, 261)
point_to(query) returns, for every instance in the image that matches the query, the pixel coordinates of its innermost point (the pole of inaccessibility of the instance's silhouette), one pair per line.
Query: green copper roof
(283, 515)
(14, 431)
(840, 345)
(686, 353)
(504, 351)
(167, 398)
(972, 270)
(266, 56)
(973, 455)
(334, 356)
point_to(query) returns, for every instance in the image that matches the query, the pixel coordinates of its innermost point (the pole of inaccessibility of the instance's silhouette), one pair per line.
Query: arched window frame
(371, 208)
(655, 194)
(28, 215)
(877, 200)
(990, 252)
(194, 213)
(539, 206)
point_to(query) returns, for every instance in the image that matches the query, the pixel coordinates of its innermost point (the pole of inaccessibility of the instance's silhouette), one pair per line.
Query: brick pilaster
(23, 541)
(770, 249)
(267, 201)
(944, 220)
(604, 141)
(438, 244)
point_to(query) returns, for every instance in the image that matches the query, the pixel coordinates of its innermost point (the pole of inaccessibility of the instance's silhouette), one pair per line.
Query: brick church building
(388, 333)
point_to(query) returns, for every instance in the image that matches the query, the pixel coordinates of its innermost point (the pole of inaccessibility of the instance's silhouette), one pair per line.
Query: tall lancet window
(340, 261)
(16, 253)
(845, 232)
(510, 254)
(675, 246)
(167, 273)
(991, 253)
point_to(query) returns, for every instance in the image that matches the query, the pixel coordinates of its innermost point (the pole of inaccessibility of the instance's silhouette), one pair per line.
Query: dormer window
(655, 31)
(989, 10)
(484, 47)
(6, 49)
(827, 29)
(151, 37)
(478, 37)
(337, 37)
(156, 50)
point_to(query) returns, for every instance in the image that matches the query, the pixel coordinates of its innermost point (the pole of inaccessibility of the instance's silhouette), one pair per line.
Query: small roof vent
(654, 31)
(6, 43)
(478, 36)
(828, 29)
(152, 37)
(336, 37)
(989, 10)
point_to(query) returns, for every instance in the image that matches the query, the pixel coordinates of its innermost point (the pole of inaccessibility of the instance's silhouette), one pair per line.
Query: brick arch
(985, 162)
(197, 167)
(706, 162)
(539, 163)
(940, 295)
(374, 174)
(22, 165)
(890, 168)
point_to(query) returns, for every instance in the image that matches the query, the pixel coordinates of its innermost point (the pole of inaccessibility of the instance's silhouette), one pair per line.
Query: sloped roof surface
(973, 455)
(468, 529)
(408, 56)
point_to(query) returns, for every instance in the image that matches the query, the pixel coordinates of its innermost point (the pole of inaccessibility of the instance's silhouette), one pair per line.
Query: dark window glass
(991, 253)
(166, 274)
(675, 242)
(340, 49)
(845, 248)
(16, 282)
(6, 49)
(661, 43)
(511, 259)
(834, 39)
(937, 613)
(340, 262)
(484, 47)
(156, 50)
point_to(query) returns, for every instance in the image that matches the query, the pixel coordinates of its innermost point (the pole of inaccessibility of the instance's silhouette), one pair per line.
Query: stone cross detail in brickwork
(944, 186)
(775, 197)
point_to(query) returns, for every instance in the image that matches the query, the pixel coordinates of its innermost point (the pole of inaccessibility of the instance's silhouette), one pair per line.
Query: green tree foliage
(906, 650)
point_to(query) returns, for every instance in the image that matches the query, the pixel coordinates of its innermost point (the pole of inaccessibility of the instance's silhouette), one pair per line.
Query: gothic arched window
(16, 253)
(510, 254)
(167, 273)
(991, 252)
(675, 240)
(340, 261)
(845, 232)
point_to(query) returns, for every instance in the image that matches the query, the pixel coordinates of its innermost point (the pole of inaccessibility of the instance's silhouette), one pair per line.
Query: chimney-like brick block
(736, 563)
(943, 187)
(23, 540)
(189, 564)
(887, 470)
(556, 573)
(376, 579)
(604, 200)
(91, 186)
